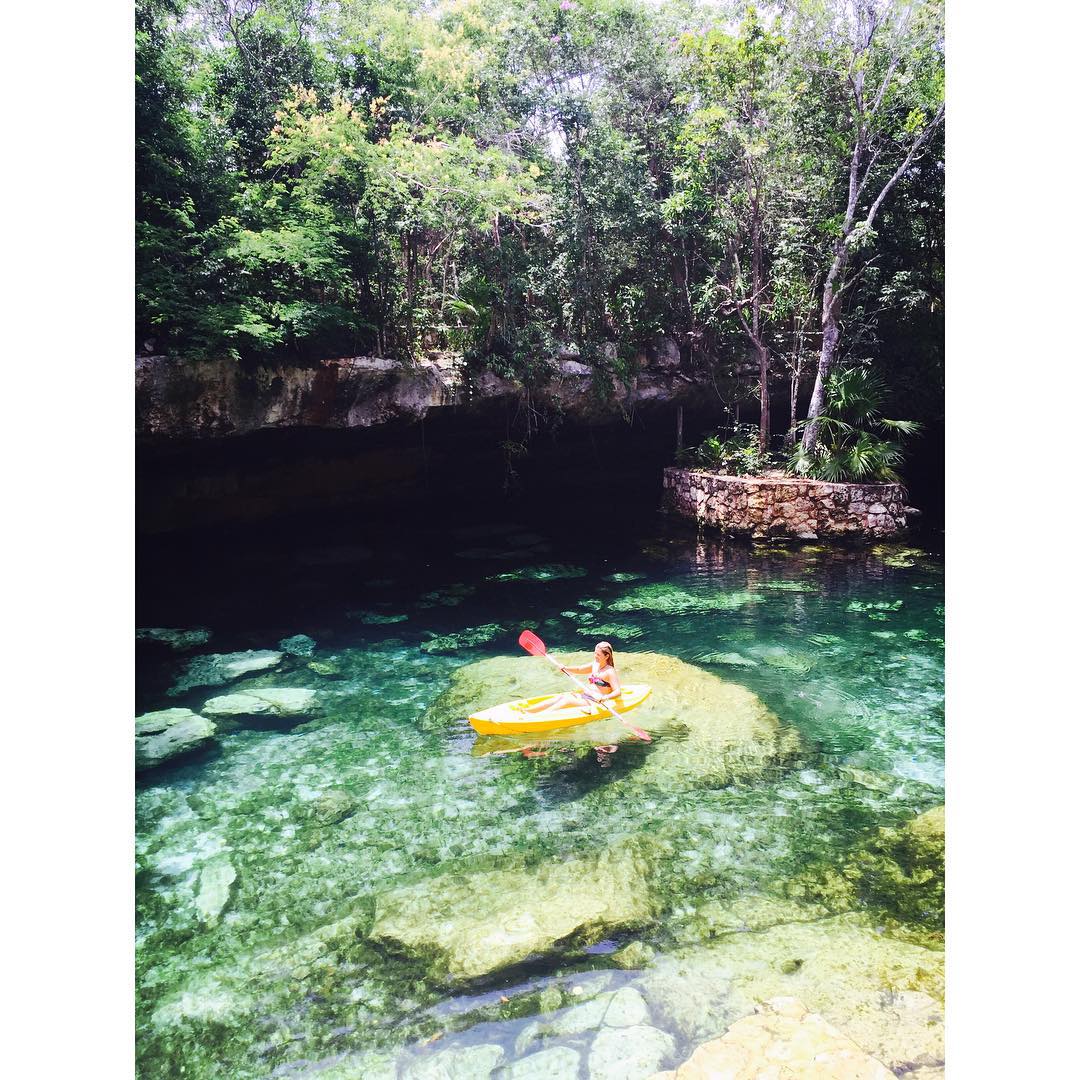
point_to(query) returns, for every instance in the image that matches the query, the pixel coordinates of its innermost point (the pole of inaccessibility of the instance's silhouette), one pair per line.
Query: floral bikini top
(597, 681)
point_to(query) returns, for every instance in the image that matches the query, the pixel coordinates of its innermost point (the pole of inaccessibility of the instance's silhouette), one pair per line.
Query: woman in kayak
(603, 680)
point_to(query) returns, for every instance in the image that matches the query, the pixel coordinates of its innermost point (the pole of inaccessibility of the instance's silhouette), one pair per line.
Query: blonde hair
(605, 646)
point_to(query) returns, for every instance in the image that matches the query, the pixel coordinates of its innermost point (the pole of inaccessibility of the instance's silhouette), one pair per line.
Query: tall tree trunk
(830, 336)
(757, 273)
(763, 370)
(796, 374)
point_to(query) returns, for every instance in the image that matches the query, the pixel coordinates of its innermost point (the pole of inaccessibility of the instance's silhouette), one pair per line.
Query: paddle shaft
(600, 701)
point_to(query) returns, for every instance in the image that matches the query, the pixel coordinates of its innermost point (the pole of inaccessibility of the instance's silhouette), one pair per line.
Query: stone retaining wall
(783, 506)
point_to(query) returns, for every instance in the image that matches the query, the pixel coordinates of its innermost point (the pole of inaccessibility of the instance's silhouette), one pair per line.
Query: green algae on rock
(328, 669)
(549, 572)
(897, 555)
(332, 807)
(665, 599)
(168, 733)
(615, 631)
(466, 639)
(900, 872)
(469, 926)
(177, 640)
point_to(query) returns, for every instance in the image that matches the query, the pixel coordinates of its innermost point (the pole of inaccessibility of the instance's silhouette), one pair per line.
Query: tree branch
(903, 167)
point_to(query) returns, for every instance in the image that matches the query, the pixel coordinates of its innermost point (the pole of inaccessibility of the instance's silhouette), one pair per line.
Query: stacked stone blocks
(786, 507)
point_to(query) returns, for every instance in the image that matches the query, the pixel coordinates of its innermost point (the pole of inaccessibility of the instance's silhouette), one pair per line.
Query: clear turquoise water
(845, 645)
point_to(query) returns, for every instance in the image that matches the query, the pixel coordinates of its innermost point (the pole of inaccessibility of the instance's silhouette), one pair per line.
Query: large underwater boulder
(468, 926)
(782, 1038)
(168, 733)
(719, 731)
(884, 993)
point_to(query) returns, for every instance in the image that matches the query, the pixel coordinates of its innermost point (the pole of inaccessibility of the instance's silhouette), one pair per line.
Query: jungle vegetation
(508, 180)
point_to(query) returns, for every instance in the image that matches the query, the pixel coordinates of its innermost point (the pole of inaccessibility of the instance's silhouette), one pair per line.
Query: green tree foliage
(503, 179)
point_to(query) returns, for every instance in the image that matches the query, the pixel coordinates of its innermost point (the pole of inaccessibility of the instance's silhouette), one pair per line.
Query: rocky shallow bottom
(337, 878)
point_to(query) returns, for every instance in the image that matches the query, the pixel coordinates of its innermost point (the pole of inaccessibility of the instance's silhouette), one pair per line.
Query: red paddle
(532, 644)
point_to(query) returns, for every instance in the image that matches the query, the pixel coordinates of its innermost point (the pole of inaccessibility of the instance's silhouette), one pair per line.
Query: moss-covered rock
(468, 926)
(333, 807)
(464, 639)
(717, 731)
(297, 645)
(665, 599)
(176, 639)
(549, 572)
(899, 872)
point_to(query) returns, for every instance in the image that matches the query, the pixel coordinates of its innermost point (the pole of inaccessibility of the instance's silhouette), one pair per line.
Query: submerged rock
(297, 645)
(364, 1066)
(795, 663)
(457, 1063)
(633, 956)
(900, 871)
(328, 669)
(665, 599)
(782, 1038)
(558, 1061)
(375, 618)
(168, 733)
(721, 732)
(219, 668)
(466, 639)
(177, 640)
(468, 926)
(550, 572)
(726, 659)
(616, 631)
(629, 1053)
(853, 975)
(215, 884)
(451, 596)
(333, 806)
(269, 701)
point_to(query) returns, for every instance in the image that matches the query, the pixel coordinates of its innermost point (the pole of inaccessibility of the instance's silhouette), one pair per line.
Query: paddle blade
(532, 644)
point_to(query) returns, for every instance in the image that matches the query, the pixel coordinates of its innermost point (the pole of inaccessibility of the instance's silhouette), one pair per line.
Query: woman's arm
(581, 669)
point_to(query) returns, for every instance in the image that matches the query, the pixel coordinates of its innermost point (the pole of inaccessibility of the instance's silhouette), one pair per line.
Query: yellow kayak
(510, 718)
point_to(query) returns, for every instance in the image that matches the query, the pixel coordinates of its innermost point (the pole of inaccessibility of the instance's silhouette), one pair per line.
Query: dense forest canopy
(504, 179)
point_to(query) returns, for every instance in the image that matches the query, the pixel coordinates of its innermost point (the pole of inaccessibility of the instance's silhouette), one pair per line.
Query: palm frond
(905, 427)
